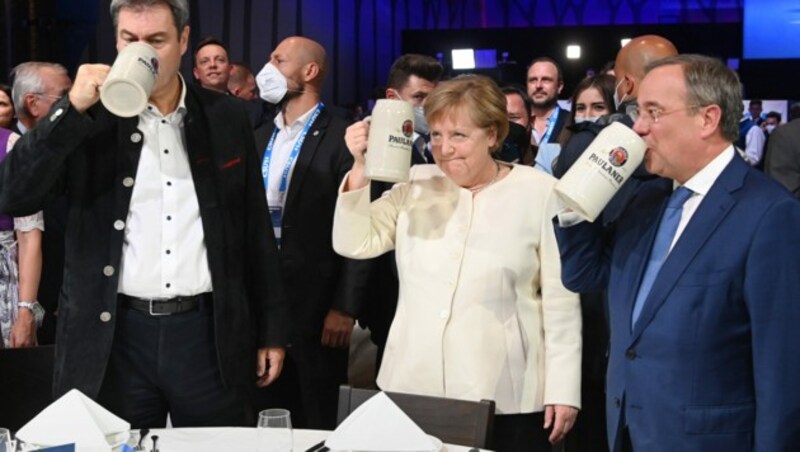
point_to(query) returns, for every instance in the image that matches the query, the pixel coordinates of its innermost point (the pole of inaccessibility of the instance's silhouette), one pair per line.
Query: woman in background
(482, 313)
(592, 98)
(7, 115)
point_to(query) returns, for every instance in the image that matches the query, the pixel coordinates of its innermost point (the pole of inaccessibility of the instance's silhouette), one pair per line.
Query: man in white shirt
(171, 278)
(753, 140)
(303, 160)
(700, 269)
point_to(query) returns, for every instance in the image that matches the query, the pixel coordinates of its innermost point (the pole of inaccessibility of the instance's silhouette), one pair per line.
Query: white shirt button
(108, 270)
(128, 182)
(105, 316)
(136, 137)
(119, 225)
(444, 313)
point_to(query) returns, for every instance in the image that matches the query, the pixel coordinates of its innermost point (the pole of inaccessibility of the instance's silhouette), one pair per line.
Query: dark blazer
(783, 156)
(561, 121)
(316, 279)
(712, 361)
(91, 157)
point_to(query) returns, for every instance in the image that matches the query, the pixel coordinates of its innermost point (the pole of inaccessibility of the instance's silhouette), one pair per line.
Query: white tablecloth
(232, 439)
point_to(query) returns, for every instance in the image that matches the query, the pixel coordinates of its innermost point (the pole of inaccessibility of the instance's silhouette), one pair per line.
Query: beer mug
(391, 138)
(601, 170)
(130, 81)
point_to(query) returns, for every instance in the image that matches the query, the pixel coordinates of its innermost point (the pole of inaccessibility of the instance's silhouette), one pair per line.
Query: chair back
(461, 422)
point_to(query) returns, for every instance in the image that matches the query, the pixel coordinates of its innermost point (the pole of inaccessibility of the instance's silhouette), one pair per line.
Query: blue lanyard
(551, 124)
(292, 157)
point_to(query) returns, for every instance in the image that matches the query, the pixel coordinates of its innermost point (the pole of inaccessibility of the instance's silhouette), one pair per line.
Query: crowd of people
(233, 219)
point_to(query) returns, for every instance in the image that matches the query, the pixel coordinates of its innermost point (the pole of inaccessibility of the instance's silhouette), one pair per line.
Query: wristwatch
(35, 308)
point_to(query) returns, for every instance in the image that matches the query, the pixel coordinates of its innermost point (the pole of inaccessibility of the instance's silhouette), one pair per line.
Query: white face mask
(272, 84)
(586, 119)
(617, 100)
(770, 128)
(420, 123)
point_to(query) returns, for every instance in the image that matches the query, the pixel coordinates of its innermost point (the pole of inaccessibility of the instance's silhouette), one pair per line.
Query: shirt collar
(552, 115)
(181, 108)
(21, 127)
(297, 124)
(701, 182)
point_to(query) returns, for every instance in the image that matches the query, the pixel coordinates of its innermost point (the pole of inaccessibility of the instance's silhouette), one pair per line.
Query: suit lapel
(310, 145)
(710, 213)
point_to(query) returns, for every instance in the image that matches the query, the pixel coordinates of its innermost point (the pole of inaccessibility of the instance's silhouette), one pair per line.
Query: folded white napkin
(75, 418)
(378, 425)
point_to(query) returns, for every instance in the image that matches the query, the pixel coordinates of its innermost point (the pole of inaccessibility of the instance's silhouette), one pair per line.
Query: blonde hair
(476, 95)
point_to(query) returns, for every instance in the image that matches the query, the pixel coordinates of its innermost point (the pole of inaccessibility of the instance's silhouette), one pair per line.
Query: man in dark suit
(783, 154)
(701, 272)
(629, 68)
(304, 159)
(170, 260)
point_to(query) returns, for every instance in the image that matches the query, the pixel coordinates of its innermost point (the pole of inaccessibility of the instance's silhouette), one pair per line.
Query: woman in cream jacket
(482, 313)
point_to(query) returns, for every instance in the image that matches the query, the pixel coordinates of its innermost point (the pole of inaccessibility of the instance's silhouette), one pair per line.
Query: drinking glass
(275, 431)
(6, 444)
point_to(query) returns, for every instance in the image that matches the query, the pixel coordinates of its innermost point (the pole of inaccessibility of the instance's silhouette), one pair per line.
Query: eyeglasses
(652, 114)
(55, 97)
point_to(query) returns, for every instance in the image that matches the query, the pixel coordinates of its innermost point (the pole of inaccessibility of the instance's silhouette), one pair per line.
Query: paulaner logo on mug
(390, 141)
(130, 81)
(601, 170)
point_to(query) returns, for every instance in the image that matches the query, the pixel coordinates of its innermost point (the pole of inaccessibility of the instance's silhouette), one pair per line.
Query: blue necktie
(664, 236)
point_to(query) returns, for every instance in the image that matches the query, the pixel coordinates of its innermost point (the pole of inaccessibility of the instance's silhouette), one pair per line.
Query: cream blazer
(482, 313)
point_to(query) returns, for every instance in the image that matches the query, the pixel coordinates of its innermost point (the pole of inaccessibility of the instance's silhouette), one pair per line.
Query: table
(234, 439)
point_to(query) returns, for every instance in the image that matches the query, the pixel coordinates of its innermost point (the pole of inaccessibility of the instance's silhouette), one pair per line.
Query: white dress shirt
(754, 145)
(285, 141)
(163, 253)
(700, 184)
(22, 129)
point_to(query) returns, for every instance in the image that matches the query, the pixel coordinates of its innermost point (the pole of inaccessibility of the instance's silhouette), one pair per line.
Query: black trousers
(168, 364)
(308, 386)
(520, 433)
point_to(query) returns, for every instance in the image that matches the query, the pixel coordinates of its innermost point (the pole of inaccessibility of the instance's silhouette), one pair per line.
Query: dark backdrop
(364, 36)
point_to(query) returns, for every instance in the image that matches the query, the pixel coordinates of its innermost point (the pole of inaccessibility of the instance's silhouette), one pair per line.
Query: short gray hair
(709, 82)
(179, 8)
(28, 79)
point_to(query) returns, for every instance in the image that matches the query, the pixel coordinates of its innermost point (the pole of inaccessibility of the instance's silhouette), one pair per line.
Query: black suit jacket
(316, 279)
(561, 121)
(89, 156)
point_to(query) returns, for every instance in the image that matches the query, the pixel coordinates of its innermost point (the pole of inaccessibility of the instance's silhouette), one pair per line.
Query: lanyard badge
(276, 212)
